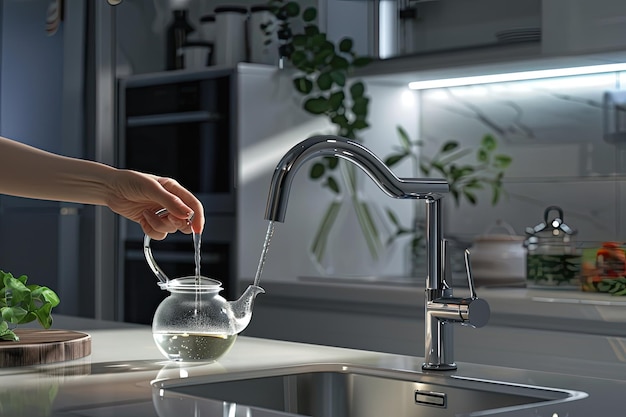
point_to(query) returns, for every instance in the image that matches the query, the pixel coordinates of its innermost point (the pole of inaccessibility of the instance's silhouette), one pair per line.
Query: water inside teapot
(192, 347)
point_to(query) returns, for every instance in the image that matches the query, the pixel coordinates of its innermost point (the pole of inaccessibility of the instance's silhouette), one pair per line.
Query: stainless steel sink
(337, 390)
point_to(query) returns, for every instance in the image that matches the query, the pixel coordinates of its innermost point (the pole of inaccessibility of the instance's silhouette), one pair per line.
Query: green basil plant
(22, 303)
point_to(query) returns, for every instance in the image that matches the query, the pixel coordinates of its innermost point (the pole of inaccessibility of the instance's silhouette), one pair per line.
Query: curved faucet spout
(416, 188)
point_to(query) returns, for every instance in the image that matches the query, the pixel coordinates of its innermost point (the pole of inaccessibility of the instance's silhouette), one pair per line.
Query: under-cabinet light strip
(516, 76)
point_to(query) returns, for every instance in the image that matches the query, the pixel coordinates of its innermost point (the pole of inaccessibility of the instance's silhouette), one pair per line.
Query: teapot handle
(558, 209)
(147, 251)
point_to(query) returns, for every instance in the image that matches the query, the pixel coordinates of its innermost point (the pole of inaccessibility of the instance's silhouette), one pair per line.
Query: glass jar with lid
(553, 258)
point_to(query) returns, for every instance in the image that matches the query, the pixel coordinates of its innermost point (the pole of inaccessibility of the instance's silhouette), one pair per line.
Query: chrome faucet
(441, 308)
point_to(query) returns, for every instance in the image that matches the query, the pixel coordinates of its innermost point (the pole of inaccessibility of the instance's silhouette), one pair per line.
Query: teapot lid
(509, 236)
(192, 283)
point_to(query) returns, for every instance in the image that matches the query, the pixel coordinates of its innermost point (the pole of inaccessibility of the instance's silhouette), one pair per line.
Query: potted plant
(22, 303)
(323, 77)
(485, 171)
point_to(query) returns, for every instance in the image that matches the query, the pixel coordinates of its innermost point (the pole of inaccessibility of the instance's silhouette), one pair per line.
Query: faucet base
(439, 367)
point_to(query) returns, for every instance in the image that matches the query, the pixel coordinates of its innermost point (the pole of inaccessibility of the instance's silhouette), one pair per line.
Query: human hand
(138, 197)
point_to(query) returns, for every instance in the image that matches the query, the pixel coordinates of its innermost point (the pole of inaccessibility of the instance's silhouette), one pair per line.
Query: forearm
(29, 172)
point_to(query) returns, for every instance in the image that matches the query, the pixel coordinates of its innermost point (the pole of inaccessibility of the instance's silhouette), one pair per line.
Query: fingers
(149, 226)
(157, 227)
(186, 206)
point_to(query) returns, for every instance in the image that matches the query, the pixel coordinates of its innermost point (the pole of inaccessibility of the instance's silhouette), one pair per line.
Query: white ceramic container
(499, 258)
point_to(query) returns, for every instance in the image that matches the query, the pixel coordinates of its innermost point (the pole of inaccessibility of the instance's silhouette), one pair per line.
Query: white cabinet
(582, 26)
(428, 26)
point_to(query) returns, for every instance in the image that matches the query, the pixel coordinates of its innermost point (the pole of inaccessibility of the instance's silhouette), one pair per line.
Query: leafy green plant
(616, 286)
(324, 76)
(464, 178)
(325, 68)
(21, 303)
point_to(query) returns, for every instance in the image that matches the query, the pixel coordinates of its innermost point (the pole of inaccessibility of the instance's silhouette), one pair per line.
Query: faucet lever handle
(470, 277)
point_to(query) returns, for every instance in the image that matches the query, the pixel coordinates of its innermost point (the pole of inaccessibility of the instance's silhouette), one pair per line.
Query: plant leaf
(303, 85)
(318, 105)
(345, 45)
(361, 61)
(449, 146)
(6, 333)
(292, 9)
(339, 63)
(325, 81)
(392, 160)
(394, 219)
(335, 101)
(404, 138)
(332, 161)
(339, 78)
(299, 41)
(333, 185)
(309, 14)
(360, 105)
(43, 315)
(46, 295)
(13, 314)
(471, 197)
(502, 161)
(360, 124)
(489, 143)
(357, 90)
(317, 171)
(482, 155)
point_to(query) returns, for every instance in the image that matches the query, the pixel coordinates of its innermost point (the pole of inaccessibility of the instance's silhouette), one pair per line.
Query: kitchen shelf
(169, 118)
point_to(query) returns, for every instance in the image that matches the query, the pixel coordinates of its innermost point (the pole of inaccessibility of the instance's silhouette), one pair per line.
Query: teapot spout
(242, 308)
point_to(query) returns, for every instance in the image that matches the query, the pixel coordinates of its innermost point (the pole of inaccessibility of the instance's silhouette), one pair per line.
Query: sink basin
(337, 390)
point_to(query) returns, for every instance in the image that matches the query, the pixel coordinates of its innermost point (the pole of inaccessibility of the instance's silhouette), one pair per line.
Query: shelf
(482, 60)
(169, 118)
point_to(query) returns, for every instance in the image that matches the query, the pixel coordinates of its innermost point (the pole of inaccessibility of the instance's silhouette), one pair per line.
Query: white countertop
(115, 379)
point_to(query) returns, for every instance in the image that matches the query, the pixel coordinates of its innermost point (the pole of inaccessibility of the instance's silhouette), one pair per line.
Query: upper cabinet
(448, 25)
(434, 38)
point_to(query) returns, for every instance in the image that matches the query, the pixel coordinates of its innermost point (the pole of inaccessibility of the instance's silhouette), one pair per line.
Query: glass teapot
(553, 258)
(194, 323)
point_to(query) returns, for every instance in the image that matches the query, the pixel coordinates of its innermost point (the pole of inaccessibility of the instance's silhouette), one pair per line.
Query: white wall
(272, 122)
(553, 129)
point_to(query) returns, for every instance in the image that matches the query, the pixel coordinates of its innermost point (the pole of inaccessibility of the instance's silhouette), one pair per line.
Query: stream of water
(266, 246)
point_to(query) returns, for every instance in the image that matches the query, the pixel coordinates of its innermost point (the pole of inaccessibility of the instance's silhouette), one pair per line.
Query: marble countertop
(115, 380)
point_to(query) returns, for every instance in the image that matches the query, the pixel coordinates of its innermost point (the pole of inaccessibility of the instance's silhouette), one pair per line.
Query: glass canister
(553, 259)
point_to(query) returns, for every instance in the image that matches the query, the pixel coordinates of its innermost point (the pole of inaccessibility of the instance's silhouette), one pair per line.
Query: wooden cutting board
(39, 346)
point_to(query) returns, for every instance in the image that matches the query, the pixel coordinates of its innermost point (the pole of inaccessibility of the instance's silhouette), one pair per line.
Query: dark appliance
(179, 125)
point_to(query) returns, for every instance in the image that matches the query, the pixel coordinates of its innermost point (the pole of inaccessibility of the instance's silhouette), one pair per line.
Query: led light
(408, 98)
(516, 76)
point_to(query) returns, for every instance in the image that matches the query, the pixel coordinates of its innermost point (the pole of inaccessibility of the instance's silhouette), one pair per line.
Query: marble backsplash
(555, 131)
